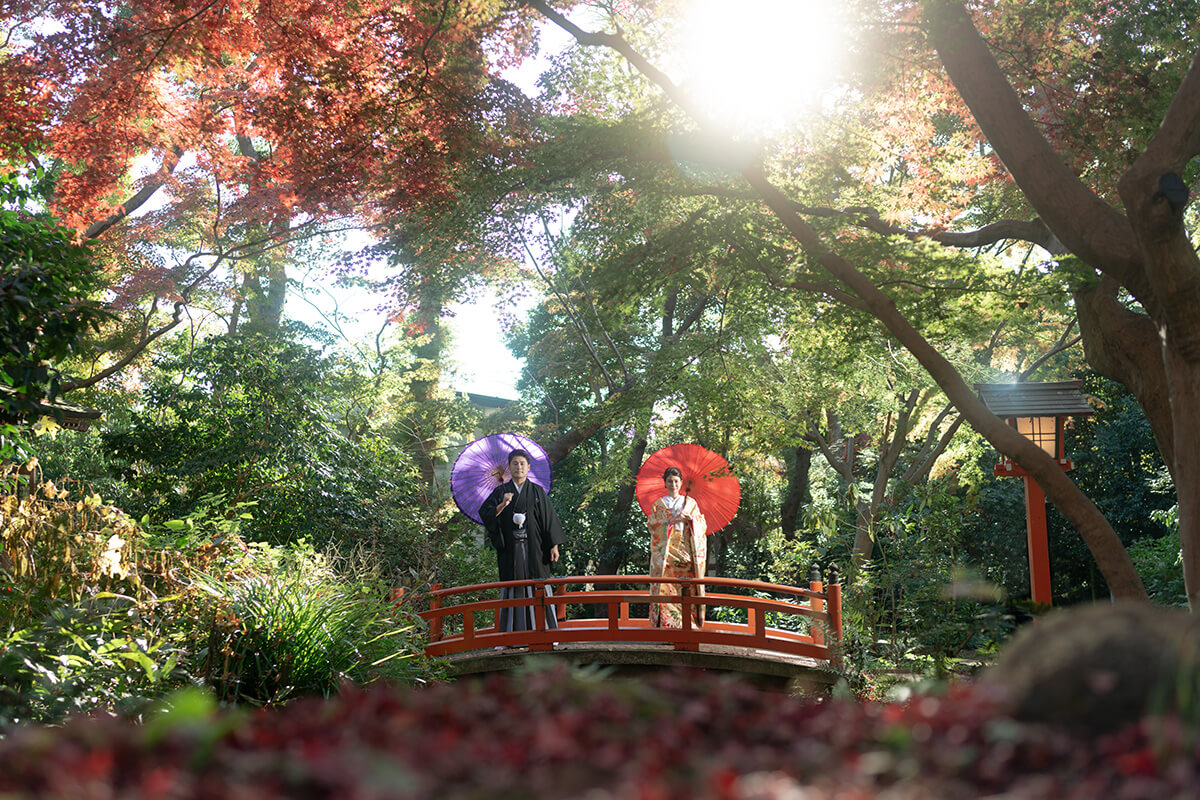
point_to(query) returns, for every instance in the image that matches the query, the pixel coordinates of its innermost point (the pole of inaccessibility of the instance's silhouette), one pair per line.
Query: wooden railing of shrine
(778, 619)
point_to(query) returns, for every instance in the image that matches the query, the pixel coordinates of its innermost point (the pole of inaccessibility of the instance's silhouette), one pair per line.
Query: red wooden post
(685, 609)
(435, 624)
(833, 595)
(1039, 545)
(539, 622)
(815, 629)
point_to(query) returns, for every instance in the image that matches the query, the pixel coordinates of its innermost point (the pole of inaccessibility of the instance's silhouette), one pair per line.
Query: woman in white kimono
(678, 549)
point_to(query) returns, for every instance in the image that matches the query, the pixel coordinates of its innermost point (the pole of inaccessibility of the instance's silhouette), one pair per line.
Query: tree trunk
(1183, 377)
(613, 550)
(266, 291)
(1092, 526)
(1173, 271)
(864, 533)
(798, 494)
(589, 423)
(427, 425)
(1126, 346)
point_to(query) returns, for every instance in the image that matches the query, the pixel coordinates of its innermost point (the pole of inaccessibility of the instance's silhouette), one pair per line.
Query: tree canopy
(974, 191)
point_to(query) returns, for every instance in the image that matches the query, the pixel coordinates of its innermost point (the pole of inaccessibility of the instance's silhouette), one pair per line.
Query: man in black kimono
(525, 531)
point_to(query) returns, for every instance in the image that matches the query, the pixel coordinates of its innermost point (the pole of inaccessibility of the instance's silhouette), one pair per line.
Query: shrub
(55, 548)
(100, 654)
(290, 624)
(1160, 563)
(89, 610)
(99, 614)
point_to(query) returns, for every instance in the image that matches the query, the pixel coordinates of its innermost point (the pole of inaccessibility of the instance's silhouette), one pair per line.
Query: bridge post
(818, 605)
(835, 616)
(539, 622)
(435, 624)
(400, 593)
(685, 607)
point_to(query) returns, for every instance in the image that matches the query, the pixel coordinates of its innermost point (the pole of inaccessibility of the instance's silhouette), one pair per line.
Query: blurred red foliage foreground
(550, 734)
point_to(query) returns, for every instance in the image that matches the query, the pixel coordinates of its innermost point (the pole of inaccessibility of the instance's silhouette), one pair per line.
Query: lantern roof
(1056, 399)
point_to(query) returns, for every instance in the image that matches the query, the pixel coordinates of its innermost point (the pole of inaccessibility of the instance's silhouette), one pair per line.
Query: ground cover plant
(548, 733)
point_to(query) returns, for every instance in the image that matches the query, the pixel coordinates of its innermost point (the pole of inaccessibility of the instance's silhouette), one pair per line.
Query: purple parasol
(483, 465)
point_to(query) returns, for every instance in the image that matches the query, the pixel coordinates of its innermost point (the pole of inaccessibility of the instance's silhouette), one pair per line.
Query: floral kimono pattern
(676, 553)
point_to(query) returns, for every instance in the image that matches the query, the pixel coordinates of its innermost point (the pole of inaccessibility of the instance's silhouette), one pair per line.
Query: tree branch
(929, 453)
(149, 337)
(584, 334)
(139, 198)
(1062, 344)
(1086, 225)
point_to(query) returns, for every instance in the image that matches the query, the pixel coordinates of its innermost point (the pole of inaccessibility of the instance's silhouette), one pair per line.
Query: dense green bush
(249, 418)
(100, 654)
(45, 278)
(1160, 562)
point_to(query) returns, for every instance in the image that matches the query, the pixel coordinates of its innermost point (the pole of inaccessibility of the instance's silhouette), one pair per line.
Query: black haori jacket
(540, 522)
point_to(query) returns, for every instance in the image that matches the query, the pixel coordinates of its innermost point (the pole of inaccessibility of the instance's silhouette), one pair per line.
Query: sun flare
(754, 66)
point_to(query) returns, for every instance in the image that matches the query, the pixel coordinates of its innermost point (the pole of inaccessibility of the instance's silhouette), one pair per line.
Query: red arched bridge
(748, 623)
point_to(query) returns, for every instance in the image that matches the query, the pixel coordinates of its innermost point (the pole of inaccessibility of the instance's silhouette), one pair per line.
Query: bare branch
(584, 335)
(842, 466)
(149, 337)
(1033, 231)
(139, 198)
(929, 453)
(604, 332)
(692, 318)
(1062, 344)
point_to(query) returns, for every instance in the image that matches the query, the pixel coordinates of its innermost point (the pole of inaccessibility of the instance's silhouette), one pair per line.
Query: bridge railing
(806, 622)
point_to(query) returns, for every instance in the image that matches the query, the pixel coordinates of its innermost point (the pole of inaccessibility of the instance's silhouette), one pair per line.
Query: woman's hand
(508, 496)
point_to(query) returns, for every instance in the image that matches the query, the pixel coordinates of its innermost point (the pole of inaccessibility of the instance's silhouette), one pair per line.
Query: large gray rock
(1095, 669)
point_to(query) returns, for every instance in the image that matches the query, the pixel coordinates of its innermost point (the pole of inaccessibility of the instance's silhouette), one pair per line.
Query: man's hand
(508, 496)
(553, 554)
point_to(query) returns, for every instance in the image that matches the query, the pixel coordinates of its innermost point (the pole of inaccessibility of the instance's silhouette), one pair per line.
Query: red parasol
(706, 477)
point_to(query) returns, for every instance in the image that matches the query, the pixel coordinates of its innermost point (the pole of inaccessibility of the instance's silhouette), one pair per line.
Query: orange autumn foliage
(285, 107)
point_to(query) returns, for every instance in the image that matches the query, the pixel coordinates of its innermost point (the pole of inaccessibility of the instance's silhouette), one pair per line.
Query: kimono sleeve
(551, 527)
(699, 523)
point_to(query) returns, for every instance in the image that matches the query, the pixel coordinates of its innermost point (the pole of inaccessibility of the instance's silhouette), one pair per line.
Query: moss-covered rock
(1096, 669)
